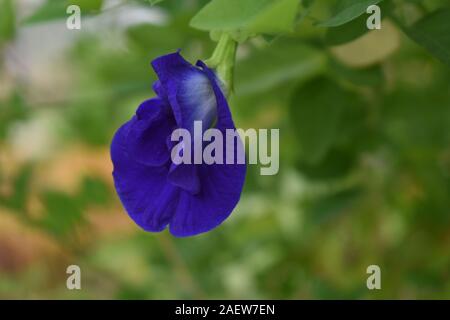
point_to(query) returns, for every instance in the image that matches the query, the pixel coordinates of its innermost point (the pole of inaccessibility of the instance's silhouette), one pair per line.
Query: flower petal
(143, 190)
(224, 119)
(185, 176)
(221, 187)
(221, 184)
(188, 89)
(159, 90)
(145, 140)
(191, 199)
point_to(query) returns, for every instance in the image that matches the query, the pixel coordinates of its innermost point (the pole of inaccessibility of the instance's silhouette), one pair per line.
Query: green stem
(223, 60)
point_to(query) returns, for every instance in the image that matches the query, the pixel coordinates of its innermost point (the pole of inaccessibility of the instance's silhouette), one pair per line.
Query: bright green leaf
(256, 16)
(279, 17)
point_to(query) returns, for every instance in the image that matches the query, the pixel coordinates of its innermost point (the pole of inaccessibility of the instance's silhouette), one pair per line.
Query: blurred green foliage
(364, 155)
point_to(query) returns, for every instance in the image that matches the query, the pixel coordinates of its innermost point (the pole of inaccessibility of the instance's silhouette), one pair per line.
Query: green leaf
(371, 76)
(331, 206)
(354, 135)
(154, 2)
(63, 213)
(353, 29)
(279, 17)
(433, 33)
(347, 10)
(346, 32)
(12, 109)
(336, 164)
(153, 39)
(7, 20)
(315, 113)
(277, 64)
(21, 184)
(88, 6)
(56, 9)
(50, 10)
(93, 191)
(255, 16)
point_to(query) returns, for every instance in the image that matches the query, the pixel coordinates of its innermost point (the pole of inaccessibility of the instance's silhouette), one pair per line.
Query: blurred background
(364, 160)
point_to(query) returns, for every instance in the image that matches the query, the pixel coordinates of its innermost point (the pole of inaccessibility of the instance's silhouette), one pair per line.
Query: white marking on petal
(198, 96)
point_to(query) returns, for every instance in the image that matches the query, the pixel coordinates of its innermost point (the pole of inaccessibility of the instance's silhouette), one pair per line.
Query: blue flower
(156, 193)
